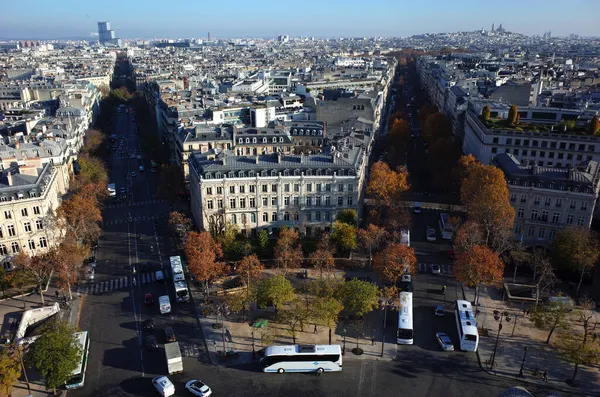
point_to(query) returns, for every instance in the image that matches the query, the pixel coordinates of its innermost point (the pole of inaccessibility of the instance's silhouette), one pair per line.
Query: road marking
(361, 378)
(373, 379)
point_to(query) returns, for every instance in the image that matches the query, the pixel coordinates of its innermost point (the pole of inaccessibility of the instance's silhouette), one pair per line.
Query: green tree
(358, 297)
(577, 248)
(485, 113)
(594, 126)
(55, 354)
(344, 236)
(348, 216)
(552, 315)
(294, 316)
(6, 280)
(263, 240)
(10, 368)
(275, 290)
(325, 311)
(513, 114)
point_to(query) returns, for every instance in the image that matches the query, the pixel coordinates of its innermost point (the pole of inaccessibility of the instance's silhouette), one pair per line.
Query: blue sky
(268, 18)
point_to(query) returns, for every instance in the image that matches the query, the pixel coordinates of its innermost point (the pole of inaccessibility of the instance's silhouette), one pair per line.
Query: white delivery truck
(173, 355)
(112, 190)
(165, 304)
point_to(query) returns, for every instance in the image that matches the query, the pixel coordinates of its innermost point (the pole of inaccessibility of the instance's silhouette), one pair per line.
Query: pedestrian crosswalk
(112, 285)
(427, 268)
(134, 204)
(135, 219)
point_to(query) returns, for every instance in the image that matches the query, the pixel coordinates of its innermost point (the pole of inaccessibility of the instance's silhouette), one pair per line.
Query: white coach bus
(298, 358)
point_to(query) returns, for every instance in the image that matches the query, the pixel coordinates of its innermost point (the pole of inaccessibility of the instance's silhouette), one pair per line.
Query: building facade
(547, 199)
(271, 191)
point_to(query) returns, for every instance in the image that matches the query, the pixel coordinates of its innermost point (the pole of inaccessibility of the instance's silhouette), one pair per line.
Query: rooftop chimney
(9, 177)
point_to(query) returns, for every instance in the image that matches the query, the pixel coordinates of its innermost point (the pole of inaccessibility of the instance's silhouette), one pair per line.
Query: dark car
(151, 343)
(146, 266)
(148, 299)
(149, 325)
(169, 335)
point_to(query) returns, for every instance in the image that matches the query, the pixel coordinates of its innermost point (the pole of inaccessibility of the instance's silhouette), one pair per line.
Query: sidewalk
(511, 348)
(239, 335)
(11, 311)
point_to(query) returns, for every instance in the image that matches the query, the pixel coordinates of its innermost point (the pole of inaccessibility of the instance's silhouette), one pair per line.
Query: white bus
(298, 358)
(466, 326)
(181, 289)
(445, 228)
(404, 335)
(78, 375)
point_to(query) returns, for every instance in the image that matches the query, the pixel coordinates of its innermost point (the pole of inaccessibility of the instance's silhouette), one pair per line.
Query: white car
(444, 342)
(163, 386)
(198, 388)
(431, 234)
(435, 269)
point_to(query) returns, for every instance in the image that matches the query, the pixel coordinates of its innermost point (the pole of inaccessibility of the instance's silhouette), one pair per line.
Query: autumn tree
(594, 126)
(37, 267)
(485, 113)
(10, 368)
(425, 111)
(79, 217)
(275, 290)
(93, 141)
(386, 185)
(203, 255)
(67, 259)
(479, 266)
(288, 251)
(358, 297)
(250, 269)
(513, 114)
(371, 238)
(578, 348)
(180, 226)
(55, 354)
(398, 136)
(552, 315)
(348, 216)
(93, 173)
(485, 194)
(395, 260)
(171, 182)
(576, 248)
(344, 236)
(322, 257)
(436, 126)
(6, 280)
(467, 236)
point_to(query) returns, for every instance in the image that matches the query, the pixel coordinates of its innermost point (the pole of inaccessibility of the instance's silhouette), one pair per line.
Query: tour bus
(302, 358)
(179, 284)
(78, 375)
(404, 335)
(164, 303)
(466, 326)
(445, 228)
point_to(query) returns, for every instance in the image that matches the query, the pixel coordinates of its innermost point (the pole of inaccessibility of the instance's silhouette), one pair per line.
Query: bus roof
(180, 285)
(80, 338)
(467, 320)
(176, 266)
(302, 349)
(405, 311)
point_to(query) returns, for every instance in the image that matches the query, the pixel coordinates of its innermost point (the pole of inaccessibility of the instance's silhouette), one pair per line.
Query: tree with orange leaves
(37, 267)
(485, 194)
(467, 236)
(93, 141)
(398, 135)
(67, 259)
(478, 266)
(395, 260)
(386, 185)
(288, 252)
(79, 217)
(371, 238)
(203, 255)
(249, 269)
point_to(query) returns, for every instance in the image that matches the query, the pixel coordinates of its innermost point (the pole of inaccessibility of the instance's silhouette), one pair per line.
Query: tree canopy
(249, 269)
(395, 260)
(358, 297)
(288, 251)
(386, 185)
(10, 368)
(348, 216)
(203, 255)
(552, 315)
(275, 290)
(344, 236)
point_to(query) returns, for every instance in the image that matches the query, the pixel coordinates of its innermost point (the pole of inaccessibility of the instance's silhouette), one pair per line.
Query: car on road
(163, 386)
(92, 261)
(444, 342)
(431, 234)
(148, 299)
(146, 266)
(132, 156)
(151, 343)
(141, 168)
(439, 310)
(133, 174)
(122, 189)
(197, 388)
(169, 335)
(417, 209)
(148, 324)
(435, 269)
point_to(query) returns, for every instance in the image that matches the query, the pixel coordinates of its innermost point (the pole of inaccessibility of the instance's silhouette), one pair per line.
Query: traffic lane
(113, 252)
(114, 349)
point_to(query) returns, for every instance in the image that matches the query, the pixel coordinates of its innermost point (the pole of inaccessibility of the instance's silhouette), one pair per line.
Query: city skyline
(137, 19)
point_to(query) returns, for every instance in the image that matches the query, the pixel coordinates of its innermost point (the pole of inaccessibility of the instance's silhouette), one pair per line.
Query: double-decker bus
(404, 334)
(181, 290)
(446, 229)
(466, 326)
(78, 375)
(298, 358)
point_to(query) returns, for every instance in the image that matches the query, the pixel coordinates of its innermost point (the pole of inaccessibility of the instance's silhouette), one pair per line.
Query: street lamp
(523, 362)
(344, 341)
(384, 304)
(498, 316)
(223, 310)
(253, 351)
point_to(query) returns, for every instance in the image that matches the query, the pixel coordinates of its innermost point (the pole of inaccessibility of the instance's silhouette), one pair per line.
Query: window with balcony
(11, 230)
(265, 201)
(547, 201)
(15, 247)
(580, 221)
(286, 201)
(584, 205)
(27, 227)
(513, 197)
(534, 215)
(7, 215)
(569, 219)
(349, 201)
(530, 231)
(209, 204)
(23, 211)
(232, 189)
(274, 217)
(541, 233)
(556, 217)
(536, 199)
(252, 188)
(220, 204)
(520, 213)
(231, 203)
(273, 201)
(242, 202)
(31, 244)
(265, 217)
(36, 210)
